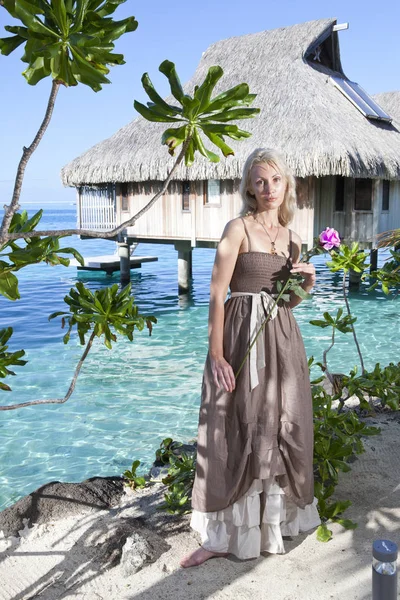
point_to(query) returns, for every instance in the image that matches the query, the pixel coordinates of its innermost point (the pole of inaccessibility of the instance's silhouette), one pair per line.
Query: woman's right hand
(223, 374)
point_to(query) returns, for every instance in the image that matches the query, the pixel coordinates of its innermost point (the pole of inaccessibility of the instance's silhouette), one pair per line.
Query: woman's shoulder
(235, 226)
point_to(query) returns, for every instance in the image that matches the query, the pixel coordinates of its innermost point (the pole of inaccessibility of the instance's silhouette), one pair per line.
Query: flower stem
(352, 324)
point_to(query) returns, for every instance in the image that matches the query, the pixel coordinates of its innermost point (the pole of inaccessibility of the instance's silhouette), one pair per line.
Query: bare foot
(196, 558)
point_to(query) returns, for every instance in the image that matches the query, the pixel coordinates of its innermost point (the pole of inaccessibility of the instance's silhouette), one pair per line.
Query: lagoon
(130, 398)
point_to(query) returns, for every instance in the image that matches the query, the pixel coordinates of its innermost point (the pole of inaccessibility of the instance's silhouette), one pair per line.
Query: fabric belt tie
(261, 305)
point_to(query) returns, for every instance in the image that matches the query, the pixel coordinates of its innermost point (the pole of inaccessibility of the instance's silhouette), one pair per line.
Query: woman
(254, 476)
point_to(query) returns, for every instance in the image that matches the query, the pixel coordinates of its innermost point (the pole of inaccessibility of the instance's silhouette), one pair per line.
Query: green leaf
(219, 142)
(26, 12)
(174, 137)
(135, 465)
(156, 98)
(234, 114)
(77, 255)
(168, 69)
(82, 7)
(9, 5)
(60, 14)
(347, 523)
(151, 114)
(189, 155)
(37, 71)
(204, 91)
(301, 292)
(323, 533)
(9, 285)
(239, 92)
(84, 72)
(198, 144)
(9, 44)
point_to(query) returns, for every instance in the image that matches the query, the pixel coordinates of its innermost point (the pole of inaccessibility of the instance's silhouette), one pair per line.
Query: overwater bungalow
(343, 146)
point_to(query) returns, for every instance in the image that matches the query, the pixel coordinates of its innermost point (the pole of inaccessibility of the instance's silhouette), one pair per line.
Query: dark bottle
(384, 571)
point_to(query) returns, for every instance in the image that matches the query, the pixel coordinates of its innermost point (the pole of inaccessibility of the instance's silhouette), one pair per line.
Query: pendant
(273, 249)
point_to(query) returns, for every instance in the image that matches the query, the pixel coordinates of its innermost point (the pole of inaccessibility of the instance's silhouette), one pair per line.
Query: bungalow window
(212, 192)
(339, 194)
(186, 196)
(363, 194)
(385, 194)
(124, 197)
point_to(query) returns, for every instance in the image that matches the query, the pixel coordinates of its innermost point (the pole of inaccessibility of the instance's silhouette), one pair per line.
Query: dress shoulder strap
(247, 235)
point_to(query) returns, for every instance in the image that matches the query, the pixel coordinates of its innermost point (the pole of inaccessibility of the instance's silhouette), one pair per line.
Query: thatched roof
(302, 114)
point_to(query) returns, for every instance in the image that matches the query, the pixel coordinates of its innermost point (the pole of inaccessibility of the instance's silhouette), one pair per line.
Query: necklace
(273, 249)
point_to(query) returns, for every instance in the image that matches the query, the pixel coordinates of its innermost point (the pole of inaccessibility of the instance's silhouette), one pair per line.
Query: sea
(128, 399)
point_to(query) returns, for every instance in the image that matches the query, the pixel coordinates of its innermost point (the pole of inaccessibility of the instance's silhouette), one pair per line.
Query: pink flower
(329, 238)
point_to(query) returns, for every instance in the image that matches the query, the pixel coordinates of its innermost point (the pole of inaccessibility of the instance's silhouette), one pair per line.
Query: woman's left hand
(306, 270)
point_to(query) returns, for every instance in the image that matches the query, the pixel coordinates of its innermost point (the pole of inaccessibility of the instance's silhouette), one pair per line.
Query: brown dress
(264, 433)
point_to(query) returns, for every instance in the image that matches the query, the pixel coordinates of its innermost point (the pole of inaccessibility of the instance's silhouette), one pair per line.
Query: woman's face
(267, 185)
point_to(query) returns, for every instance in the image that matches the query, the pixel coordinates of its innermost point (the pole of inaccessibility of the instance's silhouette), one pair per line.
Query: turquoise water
(128, 399)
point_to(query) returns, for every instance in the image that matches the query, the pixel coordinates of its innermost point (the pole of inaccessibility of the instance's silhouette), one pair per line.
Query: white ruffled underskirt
(237, 529)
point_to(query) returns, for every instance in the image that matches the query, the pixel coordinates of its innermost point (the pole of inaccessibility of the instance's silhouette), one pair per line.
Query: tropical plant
(337, 439)
(381, 382)
(179, 481)
(106, 308)
(166, 450)
(72, 41)
(132, 480)
(34, 251)
(8, 359)
(338, 323)
(347, 259)
(198, 113)
(388, 275)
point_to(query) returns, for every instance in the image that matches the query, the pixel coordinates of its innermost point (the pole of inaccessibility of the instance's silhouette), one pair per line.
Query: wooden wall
(390, 219)
(203, 224)
(165, 220)
(355, 225)
(303, 222)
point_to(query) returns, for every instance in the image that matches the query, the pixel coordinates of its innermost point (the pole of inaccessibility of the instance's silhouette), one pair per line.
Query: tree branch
(105, 234)
(70, 389)
(26, 154)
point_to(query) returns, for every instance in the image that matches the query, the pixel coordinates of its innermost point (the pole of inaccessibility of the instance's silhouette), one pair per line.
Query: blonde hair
(271, 157)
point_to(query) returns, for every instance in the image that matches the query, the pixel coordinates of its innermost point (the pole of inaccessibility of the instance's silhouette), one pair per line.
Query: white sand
(62, 559)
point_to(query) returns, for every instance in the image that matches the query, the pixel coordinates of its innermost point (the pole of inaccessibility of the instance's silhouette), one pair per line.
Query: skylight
(360, 99)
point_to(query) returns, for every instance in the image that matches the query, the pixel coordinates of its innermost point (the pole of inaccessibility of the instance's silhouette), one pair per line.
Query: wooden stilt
(354, 280)
(184, 266)
(373, 257)
(124, 261)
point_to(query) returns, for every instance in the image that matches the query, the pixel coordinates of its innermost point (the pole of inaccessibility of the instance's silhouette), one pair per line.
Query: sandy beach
(132, 550)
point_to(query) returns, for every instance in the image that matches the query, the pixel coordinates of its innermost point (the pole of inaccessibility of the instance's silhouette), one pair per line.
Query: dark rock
(158, 472)
(129, 542)
(56, 500)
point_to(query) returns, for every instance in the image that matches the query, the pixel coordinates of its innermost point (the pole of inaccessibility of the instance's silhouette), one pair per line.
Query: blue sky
(179, 31)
